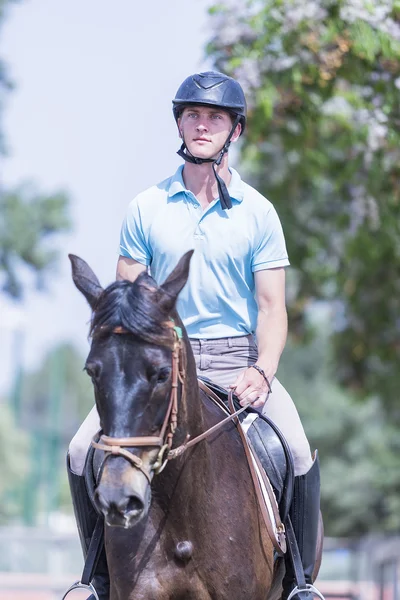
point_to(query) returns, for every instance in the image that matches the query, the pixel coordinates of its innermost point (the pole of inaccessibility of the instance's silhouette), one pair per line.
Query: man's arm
(271, 334)
(128, 268)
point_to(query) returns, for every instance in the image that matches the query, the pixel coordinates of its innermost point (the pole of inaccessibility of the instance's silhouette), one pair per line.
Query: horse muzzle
(123, 494)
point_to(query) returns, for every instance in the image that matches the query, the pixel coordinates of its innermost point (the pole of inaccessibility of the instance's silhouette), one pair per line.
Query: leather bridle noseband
(114, 446)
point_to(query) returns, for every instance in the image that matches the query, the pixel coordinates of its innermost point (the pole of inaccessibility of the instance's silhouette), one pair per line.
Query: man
(236, 285)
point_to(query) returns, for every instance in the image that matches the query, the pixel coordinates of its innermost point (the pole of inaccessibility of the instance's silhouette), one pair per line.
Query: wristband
(261, 371)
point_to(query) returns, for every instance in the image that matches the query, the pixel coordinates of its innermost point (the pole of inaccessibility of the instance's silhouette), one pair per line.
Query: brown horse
(193, 531)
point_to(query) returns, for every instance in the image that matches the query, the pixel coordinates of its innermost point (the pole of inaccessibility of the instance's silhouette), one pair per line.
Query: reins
(114, 446)
(189, 443)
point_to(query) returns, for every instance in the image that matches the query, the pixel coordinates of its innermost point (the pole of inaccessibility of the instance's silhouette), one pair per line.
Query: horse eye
(92, 370)
(163, 374)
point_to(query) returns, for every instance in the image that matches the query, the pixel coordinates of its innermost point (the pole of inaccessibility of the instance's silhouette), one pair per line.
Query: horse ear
(175, 282)
(85, 280)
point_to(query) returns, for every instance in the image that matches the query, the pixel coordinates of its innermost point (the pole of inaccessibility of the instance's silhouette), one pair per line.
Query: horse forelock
(135, 308)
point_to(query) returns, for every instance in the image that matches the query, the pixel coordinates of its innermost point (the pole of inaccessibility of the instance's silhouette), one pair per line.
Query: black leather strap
(93, 553)
(224, 196)
(184, 153)
(97, 541)
(293, 550)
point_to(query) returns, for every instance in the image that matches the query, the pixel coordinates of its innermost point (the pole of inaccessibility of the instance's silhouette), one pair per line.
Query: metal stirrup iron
(298, 570)
(79, 585)
(92, 557)
(309, 588)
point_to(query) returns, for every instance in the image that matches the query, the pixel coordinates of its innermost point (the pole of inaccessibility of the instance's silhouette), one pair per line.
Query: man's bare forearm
(271, 333)
(128, 269)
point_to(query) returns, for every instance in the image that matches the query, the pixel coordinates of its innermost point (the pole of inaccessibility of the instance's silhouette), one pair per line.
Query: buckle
(161, 460)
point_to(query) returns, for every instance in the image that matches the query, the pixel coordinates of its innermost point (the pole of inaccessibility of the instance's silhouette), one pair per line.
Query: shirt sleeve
(132, 239)
(270, 253)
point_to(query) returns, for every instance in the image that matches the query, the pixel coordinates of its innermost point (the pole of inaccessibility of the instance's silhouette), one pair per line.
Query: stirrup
(308, 588)
(85, 586)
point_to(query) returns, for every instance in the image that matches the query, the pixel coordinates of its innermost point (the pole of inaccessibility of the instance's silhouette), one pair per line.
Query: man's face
(205, 130)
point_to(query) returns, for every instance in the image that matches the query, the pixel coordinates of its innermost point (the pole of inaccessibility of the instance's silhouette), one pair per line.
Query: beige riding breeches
(222, 360)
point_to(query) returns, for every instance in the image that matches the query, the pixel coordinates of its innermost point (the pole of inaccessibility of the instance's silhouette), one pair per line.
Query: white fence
(38, 564)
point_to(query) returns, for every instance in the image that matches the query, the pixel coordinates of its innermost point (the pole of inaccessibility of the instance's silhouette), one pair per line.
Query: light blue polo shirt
(218, 300)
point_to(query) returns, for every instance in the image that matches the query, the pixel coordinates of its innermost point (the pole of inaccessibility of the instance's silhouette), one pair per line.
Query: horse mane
(135, 308)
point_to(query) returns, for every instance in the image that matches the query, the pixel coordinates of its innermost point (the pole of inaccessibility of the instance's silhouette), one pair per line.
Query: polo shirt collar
(235, 187)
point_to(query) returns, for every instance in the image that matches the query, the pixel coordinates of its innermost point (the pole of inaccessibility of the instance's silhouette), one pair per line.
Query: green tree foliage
(58, 395)
(5, 84)
(14, 463)
(323, 143)
(54, 400)
(359, 446)
(28, 220)
(28, 224)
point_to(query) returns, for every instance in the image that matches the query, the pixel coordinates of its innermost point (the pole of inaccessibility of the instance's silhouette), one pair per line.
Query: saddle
(269, 445)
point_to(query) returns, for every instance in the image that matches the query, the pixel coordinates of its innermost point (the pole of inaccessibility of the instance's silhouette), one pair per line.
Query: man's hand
(251, 385)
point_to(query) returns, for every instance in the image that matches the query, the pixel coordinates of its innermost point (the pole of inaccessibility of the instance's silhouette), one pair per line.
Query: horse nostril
(134, 505)
(123, 505)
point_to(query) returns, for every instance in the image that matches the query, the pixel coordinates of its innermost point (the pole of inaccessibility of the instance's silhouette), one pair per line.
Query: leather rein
(114, 446)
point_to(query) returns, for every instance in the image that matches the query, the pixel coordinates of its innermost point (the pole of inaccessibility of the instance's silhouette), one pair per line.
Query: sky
(90, 114)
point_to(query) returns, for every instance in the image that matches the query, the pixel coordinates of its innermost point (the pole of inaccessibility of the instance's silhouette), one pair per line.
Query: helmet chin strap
(184, 153)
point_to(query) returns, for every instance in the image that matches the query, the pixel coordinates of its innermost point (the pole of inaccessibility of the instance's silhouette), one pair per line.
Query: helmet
(211, 89)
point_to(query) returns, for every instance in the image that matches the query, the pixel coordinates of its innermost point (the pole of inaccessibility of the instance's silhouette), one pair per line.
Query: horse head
(134, 366)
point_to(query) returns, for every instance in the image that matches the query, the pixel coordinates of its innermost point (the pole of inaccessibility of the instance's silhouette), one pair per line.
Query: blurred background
(86, 124)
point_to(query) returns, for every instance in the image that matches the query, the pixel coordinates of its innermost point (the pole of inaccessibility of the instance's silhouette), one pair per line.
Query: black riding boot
(86, 518)
(304, 514)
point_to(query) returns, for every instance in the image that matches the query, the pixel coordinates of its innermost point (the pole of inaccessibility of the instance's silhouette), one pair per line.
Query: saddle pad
(246, 425)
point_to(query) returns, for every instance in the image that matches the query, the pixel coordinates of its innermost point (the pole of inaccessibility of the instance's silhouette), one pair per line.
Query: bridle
(114, 446)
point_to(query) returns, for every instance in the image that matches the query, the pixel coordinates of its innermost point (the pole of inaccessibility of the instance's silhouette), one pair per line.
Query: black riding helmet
(212, 89)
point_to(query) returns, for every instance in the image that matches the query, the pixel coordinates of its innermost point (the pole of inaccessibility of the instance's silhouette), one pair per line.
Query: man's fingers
(239, 379)
(241, 388)
(245, 398)
(260, 401)
(255, 397)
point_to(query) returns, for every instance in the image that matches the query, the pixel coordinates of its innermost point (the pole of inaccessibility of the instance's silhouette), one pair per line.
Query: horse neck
(190, 417)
